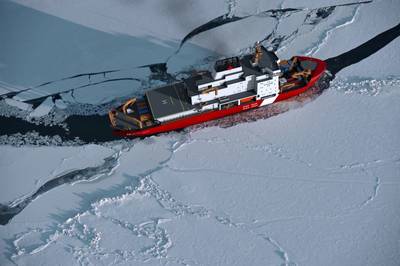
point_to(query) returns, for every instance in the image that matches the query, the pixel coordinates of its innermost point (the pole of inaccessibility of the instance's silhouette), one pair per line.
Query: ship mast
(257, 55)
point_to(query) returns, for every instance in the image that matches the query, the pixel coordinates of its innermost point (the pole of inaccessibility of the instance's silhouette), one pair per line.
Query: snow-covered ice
(44, 108)
(315, 185)
(20, 105)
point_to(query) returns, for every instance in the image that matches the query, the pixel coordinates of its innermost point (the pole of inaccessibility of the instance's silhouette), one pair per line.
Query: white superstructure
(232, 82)
(258, 74)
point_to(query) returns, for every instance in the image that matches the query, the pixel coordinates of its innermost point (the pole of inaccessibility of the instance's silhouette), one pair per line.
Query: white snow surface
(20, 105)
(317, 185)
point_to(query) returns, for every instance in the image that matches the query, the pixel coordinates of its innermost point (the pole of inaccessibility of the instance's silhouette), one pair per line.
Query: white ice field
(316, 185)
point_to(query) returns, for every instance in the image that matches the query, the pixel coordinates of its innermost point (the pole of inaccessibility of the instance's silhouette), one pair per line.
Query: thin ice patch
(44, 108)
(35, 139)
(369, 87)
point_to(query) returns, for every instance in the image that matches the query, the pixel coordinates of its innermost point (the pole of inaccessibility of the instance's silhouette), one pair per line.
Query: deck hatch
(168, 100)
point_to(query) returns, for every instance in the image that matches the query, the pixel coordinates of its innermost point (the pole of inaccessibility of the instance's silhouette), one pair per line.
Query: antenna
(257, 55)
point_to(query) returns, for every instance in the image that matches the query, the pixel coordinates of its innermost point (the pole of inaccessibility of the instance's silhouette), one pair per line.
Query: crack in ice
(326, 35)
(88, 174)
(374, 194)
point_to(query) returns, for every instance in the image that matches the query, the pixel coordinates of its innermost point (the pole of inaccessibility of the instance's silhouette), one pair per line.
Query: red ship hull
(216, 114)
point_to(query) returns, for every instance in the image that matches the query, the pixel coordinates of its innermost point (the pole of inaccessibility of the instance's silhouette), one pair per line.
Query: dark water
(13, 125)
(337, 63)
(94, 128)
(89, 129)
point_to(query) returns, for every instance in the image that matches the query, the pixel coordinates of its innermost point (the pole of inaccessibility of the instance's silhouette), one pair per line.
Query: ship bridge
(227, 64)
(226, 67)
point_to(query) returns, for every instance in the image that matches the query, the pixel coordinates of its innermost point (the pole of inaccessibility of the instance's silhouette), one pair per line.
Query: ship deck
(168, 100)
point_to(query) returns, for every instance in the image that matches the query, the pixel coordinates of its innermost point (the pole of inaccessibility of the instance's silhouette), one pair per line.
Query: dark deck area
(168, 100)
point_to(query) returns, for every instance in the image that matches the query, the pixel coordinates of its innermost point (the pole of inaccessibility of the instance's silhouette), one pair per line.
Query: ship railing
(117, 118)
(127, 104)
(112, 117)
